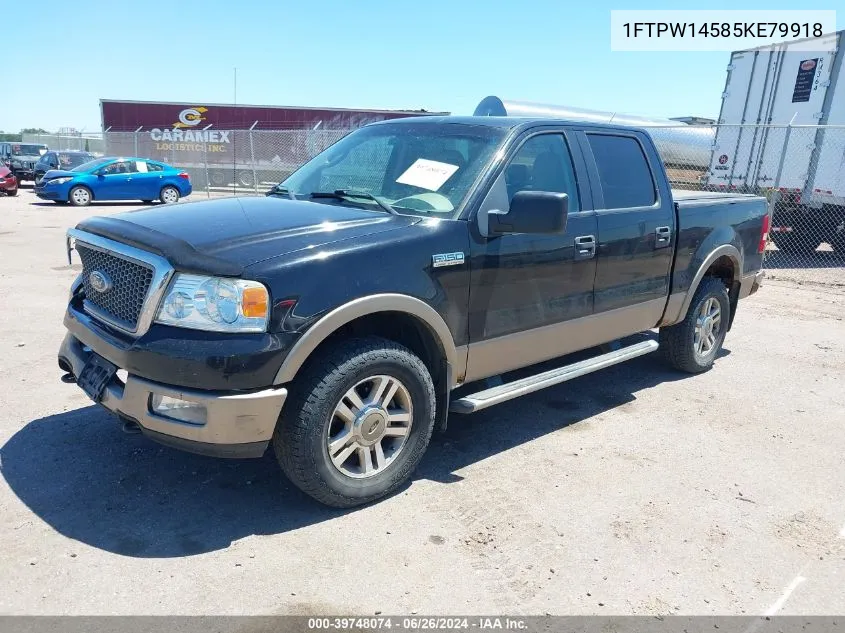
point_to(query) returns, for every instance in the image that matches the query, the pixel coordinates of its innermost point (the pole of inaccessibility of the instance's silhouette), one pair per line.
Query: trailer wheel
(245, 179)
(838, 239)
(792, 242)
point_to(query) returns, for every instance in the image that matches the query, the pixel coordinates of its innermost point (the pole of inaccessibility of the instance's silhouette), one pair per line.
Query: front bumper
(24, 174)
(238, 424)
(47, 194)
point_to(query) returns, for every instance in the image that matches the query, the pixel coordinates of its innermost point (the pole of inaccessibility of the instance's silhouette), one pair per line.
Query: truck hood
(227, 235)
(27, 158)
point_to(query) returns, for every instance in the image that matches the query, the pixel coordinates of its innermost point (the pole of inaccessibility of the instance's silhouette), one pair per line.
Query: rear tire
(692, 344)
(337, 404)
(80, 196)
(169, 194)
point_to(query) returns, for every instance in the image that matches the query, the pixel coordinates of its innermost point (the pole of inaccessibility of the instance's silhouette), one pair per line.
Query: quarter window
(625, 177)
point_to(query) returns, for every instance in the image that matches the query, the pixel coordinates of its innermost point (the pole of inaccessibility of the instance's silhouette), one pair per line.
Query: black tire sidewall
(407, 459)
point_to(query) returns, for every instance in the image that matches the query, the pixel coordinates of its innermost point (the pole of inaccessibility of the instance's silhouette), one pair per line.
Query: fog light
(178, 409)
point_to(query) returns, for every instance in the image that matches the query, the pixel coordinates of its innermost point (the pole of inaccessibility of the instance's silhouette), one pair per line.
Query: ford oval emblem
(99, 281)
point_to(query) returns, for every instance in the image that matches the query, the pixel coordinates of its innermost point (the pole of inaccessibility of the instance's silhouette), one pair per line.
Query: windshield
(29, 150)
(67, 161)
(417, 168)
(92, 164)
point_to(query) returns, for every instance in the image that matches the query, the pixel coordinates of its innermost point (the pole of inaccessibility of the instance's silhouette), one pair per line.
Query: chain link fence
(226, 161)
(799, 169)
(93, 143)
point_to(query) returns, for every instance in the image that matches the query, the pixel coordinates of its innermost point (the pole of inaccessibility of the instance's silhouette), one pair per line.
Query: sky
(443, 55)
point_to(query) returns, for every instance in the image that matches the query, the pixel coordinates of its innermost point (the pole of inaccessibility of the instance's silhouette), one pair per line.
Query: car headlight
(16, 163)
(216, 304)
(58, 181)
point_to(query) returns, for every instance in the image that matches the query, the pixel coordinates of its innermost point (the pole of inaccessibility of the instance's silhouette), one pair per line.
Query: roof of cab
(504, 122)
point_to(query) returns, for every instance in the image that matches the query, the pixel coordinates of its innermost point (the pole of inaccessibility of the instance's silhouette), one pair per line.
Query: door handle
(585, 247)
(663, 236)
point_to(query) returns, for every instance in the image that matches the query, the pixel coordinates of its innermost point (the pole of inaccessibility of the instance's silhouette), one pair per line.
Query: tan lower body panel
(231, 417)
(750, 284)
(505, 353)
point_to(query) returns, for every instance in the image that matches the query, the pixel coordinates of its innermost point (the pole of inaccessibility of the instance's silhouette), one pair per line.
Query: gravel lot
(632, 491)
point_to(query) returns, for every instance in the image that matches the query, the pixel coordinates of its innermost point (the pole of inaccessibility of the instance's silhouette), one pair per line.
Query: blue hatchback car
(115, 179)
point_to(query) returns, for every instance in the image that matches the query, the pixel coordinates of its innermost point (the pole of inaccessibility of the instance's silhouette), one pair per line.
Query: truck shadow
(78, 472)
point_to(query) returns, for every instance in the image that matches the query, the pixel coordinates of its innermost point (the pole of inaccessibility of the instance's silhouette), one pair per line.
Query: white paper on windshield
(427, 174)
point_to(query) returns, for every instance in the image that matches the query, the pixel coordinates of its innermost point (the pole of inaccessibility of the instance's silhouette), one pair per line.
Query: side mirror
(531, 212)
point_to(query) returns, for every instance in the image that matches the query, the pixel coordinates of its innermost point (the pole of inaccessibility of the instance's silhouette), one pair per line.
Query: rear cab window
(632, 186)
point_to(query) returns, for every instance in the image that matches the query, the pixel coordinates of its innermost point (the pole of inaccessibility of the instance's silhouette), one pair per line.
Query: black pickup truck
(335, 317)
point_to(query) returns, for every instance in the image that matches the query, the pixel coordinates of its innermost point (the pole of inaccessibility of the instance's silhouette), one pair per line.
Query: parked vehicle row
(21, 158)
(67, 159)
(8, 182)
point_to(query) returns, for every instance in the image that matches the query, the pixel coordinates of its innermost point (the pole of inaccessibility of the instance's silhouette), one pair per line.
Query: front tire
(12, 192)
(169, 195)
(80, 196)
(692, 344)
(357, 423)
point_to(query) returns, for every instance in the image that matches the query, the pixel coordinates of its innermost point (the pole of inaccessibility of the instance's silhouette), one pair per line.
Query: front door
(116, 181)
(525, 288)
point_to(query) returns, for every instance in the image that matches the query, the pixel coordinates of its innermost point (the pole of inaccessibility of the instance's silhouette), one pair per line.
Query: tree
(34, 130)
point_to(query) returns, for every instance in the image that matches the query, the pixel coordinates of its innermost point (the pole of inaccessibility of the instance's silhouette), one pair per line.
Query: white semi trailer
(782, 132)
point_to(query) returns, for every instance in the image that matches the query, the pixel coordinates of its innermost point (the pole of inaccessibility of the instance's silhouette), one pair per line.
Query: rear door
(636, 226)
(145, 183)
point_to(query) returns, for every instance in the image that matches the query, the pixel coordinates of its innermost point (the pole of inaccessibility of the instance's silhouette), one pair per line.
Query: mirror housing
(531, 212)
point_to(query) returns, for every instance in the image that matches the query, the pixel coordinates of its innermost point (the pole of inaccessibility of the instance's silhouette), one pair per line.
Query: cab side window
(543, 163)
(121, 167)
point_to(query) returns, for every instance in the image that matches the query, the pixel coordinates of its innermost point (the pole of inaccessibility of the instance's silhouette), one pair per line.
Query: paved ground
(635, 490)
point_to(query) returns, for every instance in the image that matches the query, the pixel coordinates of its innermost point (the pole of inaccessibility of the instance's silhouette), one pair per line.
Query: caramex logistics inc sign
(185, 137)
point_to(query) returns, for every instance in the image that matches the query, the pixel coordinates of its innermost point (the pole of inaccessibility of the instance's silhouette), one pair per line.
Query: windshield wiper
(278, 190)
(342, 194)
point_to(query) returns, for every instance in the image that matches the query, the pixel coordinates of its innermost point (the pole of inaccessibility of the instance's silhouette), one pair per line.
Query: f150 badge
(447, 259)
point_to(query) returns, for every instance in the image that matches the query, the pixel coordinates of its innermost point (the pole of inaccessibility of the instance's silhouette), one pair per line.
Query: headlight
(216, 304)
(16, 163)
(58, 181)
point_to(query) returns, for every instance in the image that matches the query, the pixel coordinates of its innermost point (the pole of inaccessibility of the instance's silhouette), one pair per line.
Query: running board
(503, 393)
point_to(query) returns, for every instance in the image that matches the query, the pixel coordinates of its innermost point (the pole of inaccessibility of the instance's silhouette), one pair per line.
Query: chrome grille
(123, 302)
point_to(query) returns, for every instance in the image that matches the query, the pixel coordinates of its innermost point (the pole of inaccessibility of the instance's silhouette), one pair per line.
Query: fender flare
(363, 306)
(728, 250)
